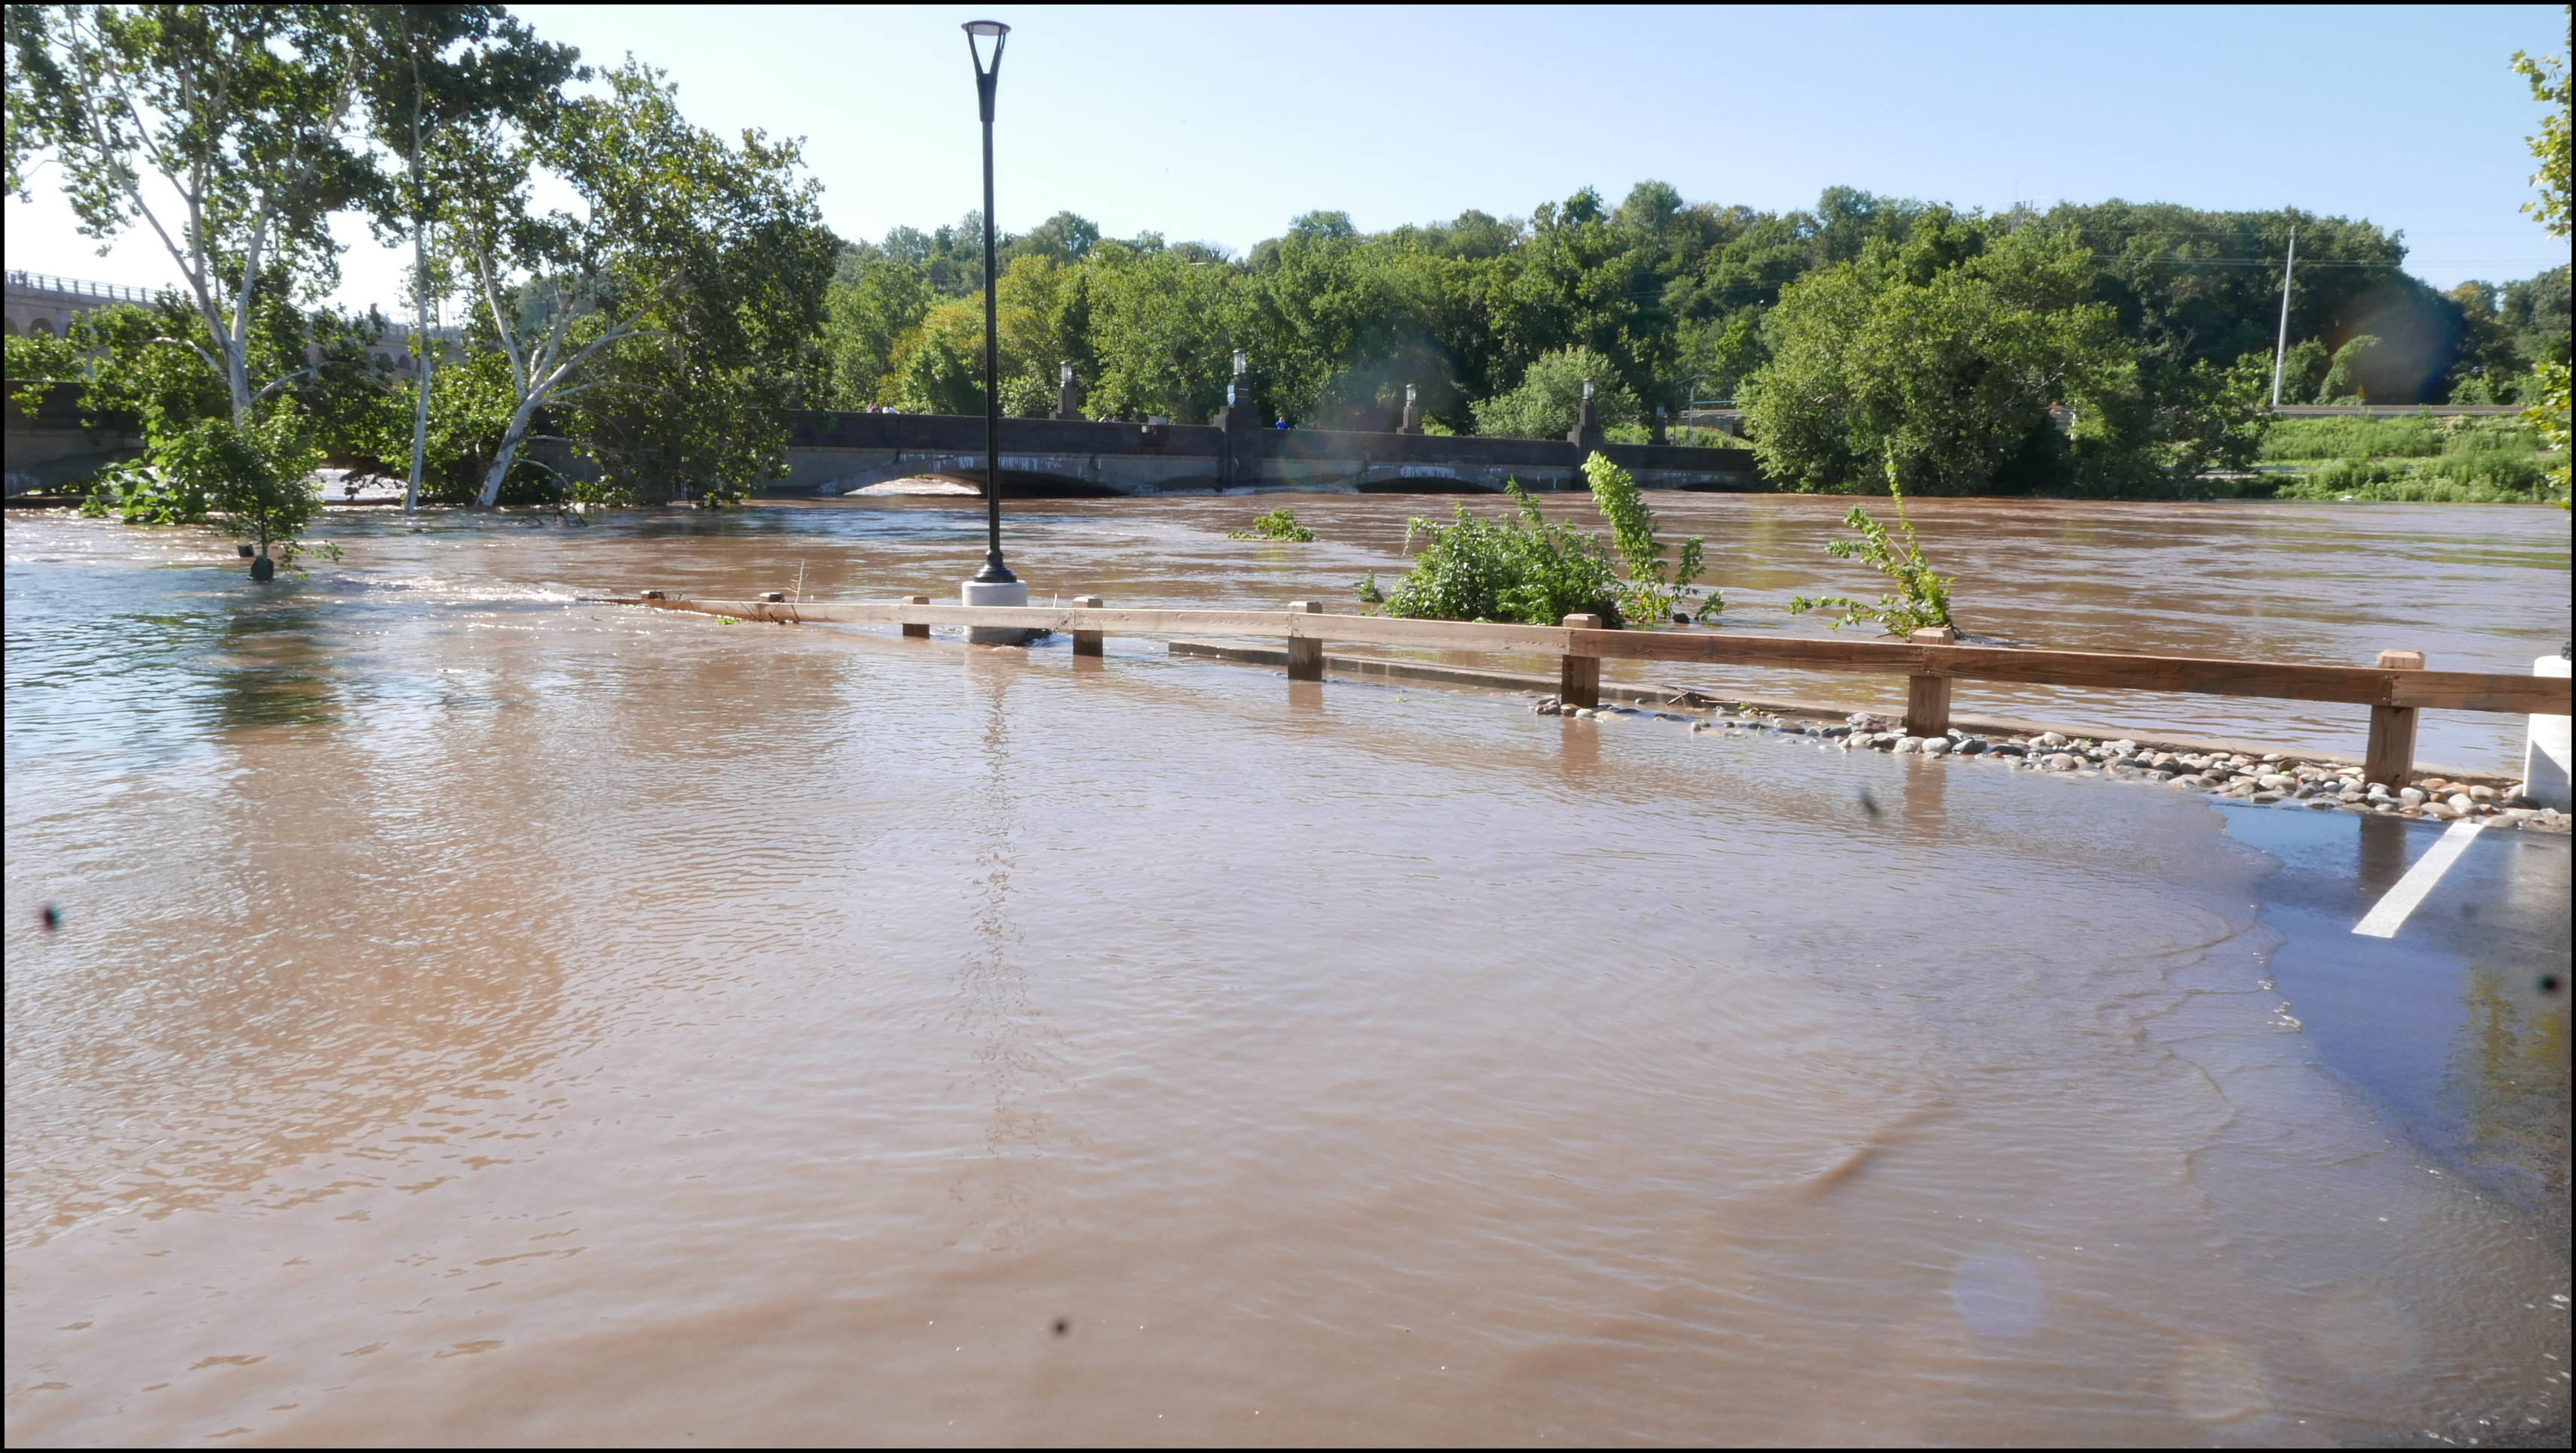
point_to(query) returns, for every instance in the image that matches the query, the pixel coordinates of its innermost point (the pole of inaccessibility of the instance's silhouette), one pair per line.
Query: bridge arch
(1417, 479)
(1016, 483)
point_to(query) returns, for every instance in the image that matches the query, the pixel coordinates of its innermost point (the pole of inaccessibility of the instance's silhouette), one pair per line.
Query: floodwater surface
(477, 1017)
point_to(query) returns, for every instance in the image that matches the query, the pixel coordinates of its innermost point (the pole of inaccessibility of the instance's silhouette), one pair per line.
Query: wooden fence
(2395, 688)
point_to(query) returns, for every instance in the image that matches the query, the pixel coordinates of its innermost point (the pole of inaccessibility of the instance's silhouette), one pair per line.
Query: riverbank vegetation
(644, 303)
(2423, 459)
(1524, 568)
(1921, 599)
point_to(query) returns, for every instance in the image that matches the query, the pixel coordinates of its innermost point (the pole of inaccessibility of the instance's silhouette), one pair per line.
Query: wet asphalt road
(2455, 1028)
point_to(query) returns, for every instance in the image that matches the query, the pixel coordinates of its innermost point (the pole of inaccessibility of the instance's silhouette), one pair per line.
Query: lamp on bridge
(1237, 414)
(1068, 400)
(1586, 433)
(994, 585)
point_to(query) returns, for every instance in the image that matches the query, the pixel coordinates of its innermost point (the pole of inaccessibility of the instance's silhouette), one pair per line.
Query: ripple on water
(769, 1032)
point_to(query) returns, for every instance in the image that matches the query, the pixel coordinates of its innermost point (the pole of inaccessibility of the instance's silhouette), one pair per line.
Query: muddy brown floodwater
(476, 1017)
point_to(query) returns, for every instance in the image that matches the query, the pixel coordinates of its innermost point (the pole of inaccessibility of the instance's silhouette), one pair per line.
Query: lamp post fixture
(994, 585)
(988, 76)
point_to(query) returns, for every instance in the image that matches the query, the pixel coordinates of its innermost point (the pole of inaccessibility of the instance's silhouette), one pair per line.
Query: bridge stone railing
(834, 453)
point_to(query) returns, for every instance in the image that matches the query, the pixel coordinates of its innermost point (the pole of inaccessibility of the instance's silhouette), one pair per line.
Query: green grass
(2473, 479)
(2291, 440)
(2421, 459)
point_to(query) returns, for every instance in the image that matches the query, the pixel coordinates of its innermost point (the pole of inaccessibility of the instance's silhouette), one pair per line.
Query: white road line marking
(2389, 914)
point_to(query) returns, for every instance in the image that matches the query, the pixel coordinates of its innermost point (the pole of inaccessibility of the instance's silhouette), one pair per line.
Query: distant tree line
(2152, 325)
(648, 340)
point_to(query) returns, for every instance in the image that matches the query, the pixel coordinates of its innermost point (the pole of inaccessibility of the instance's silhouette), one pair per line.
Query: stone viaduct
(836, 453)
(840, 453)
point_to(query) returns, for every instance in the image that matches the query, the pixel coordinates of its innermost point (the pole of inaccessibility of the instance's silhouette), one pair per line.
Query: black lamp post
(987, 76)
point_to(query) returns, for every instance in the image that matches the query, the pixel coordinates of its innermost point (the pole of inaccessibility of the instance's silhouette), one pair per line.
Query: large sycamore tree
(659, 318)
(224, 131)
(429, 72)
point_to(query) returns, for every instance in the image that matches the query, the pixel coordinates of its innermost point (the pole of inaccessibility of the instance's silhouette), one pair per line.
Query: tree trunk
(423, 347)
(507, 455)
(422, 344)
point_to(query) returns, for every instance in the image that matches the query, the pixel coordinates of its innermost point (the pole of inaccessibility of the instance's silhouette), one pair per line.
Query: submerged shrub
(1278, 524)
(1655, 588)
(1922, 596)
(1520, 569)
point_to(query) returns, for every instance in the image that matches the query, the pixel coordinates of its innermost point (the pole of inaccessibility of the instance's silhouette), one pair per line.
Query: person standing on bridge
(1283, 422)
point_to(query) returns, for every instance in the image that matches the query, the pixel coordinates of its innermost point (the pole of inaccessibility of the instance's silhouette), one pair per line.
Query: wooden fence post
(921, 633)
(1927, 698)
(1086, 643)
(1578, 678)
(1305, 653)
(2389, 759)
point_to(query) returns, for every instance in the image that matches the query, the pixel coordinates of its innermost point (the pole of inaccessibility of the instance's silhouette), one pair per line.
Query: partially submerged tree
(690, 273)
(227, 132)
(433, 75)
(223, 130)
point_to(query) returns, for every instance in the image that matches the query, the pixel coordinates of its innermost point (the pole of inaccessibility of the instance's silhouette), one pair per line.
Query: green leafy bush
(254, 483)
(1278, 524)
(1520, 568)
(1549, 398)
(1922, 596)
(1655, 587)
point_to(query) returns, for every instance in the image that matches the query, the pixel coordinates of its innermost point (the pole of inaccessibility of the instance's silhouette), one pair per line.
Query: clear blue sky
(1220, 124)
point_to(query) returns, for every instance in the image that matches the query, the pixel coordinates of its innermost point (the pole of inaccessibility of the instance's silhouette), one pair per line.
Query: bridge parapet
(839, 453)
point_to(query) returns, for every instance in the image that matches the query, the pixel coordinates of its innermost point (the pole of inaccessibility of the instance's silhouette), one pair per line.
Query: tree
(431, 73)
(2212, 420)
(1161, 330)
(870, 308)
(225, 130)
(701, 267)
(2548, 415)
(2550, 87)
(1549, 398)
(2343, 380)
(1934, 364)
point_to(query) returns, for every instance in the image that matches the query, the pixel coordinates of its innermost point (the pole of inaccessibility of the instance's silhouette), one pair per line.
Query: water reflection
(268, 665)
(2383, 852)
(1014, 1054)
(1413, 1067)
(1926, 797)
(2512, 1065)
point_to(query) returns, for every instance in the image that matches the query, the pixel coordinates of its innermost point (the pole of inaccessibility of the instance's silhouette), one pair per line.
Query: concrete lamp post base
(996, 593)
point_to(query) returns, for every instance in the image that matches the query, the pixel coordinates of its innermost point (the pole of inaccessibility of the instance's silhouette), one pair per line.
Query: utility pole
(2281, 349)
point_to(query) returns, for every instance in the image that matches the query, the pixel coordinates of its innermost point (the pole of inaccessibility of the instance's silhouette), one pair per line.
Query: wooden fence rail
(2395, 688)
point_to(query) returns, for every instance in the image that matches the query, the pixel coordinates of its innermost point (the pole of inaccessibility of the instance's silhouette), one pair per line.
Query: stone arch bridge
(841, 453)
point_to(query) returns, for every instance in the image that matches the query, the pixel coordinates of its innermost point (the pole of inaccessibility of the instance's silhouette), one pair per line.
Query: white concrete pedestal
(998, 593)
(2544, 761)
